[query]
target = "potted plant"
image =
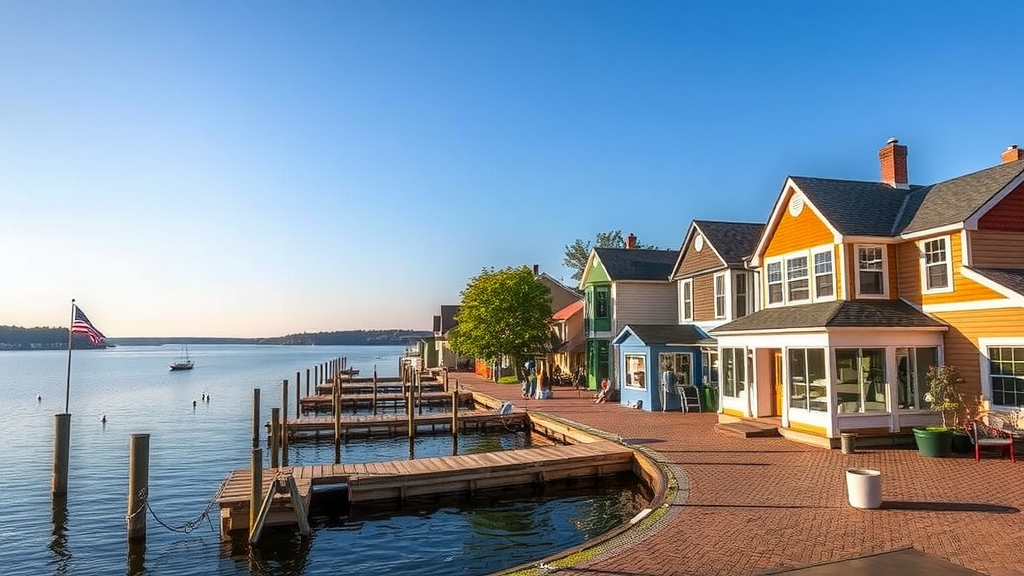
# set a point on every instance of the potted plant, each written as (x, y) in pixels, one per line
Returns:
(944, 397)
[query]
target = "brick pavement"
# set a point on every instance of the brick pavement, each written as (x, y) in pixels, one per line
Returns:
(761, 505)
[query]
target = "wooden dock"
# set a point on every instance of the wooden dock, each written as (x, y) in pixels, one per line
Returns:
(401, 479)
(324, 402)
(393, 425)
(384, 386)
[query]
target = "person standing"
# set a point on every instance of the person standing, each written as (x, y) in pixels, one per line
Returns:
(542, 380)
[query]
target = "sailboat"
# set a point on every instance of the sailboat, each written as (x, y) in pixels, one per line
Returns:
(183, 363)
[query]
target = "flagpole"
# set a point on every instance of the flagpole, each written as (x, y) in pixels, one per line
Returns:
(67, 388)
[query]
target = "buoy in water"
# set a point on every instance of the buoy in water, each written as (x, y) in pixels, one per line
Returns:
(103, 419)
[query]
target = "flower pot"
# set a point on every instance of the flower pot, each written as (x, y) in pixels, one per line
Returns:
(864, 488)
(962, 443)
(934, 442)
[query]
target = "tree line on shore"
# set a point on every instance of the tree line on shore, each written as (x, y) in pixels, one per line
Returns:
(47, 338)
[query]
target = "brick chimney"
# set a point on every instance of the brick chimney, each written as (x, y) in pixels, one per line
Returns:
(893, 158)
(1012, 153)
(536, 269)
(631, 241)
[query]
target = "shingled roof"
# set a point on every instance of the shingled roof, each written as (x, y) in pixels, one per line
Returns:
(857, 208)
(684, 334)
(1010, 278)
(734, 241)
(838, 314)
(637, 263)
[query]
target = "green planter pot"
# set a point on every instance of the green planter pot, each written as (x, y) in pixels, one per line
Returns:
(934, 442)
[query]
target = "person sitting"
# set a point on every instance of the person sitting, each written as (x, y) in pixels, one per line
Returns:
(605, 388)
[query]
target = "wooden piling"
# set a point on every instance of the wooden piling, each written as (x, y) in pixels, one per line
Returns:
(455, 423)
(316, 374)
(419, 393)
(255, 484)
(255, 417)
(138, 485)
(298, 393)
(61, 454)
(284, 422)
(275, 436)
(337, 422)
(307, 381)
(373, 402)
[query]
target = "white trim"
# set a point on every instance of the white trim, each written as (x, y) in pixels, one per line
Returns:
(683, 284)
(974, 305)
(734, 294)
(687, 240)
(768, 284)
(814, 277)
(923, 265)
(827, 330)
(842, 272)
(777, 211)
(933, 231)
(983, 359)
(991, 284)
(885, 272)
(972, 222)
(965, 248)
(725, 295)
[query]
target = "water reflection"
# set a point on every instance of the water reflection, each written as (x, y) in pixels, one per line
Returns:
(58, 544)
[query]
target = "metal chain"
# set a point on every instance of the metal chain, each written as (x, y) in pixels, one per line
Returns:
(185, 528)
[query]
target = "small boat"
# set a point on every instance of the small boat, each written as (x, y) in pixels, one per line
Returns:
(183, 363)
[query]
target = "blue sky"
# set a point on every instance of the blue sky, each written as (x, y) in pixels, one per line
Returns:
(262, 168)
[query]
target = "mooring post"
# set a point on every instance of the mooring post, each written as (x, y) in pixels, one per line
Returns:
(138, 485)
(444, 373)
(255, 417)
(284, 422)
(61, 454)
(316, 374)
(255, 485)
(373, 400)
(307, 382)
(337, 423)
(455, 423)
(419, 393)
(275, 436)
(298, 396)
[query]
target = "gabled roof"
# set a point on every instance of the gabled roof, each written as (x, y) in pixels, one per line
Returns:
(448, 321)
(838, 314)
(1010, 278)
(569, 311)
(733, 241)
(683, 334)
(956, 200)
(637, 263)
(853, 207)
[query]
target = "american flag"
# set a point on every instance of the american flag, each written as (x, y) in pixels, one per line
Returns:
(81, 325)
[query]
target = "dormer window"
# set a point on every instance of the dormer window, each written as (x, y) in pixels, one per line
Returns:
(871, 271)
(824, 280)
(796, 279)
(775, 282)
(937, 265)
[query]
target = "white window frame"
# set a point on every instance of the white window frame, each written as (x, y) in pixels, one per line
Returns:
(815, 275)
(986, 373)
(686, 299)
(806, 277)
(723, 296)
(924, 266)
(768, 284)
(737, 294)
(885, 270)
(629, 378)
(782, 262)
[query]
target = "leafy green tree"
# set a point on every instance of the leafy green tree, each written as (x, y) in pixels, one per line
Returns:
(576, 254)
(503, 313)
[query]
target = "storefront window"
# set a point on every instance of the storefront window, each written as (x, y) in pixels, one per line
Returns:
(735, 364)
(709, 368)
(807, 381)
(636, 371)
(861, 380)
(675, 370)
(911, 367)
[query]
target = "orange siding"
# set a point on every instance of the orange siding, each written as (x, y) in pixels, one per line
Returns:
(704, 298)
(996, 249)
(890, 256)
(964, 290)
(837, 258)
(908, 264)
(694, 261)
(798, 233)
(1006, 215)
(965, 328)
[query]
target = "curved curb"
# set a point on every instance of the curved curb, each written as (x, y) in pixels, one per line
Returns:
(664, 506)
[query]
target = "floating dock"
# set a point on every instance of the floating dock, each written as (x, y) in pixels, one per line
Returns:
(397, 480)
(324, 402)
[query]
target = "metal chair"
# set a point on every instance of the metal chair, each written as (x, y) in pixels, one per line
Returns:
(985, 436)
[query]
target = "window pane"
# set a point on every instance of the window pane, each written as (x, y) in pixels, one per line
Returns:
(871, 283)
(798, 290)
(847, 381)
(816, 392)
(873, 379)
(796, 268)
(798, 379)
(775, 272)
(774, 293)
(937, 277)
(636, 371)
(823, 286)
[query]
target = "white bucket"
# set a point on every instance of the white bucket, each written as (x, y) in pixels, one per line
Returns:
(864, 487)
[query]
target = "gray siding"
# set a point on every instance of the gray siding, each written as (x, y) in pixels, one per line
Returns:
(645, 303)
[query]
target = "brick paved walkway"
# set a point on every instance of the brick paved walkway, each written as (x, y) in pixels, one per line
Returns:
(766, 504)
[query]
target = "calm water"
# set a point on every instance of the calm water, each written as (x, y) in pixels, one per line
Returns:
(193, 449)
